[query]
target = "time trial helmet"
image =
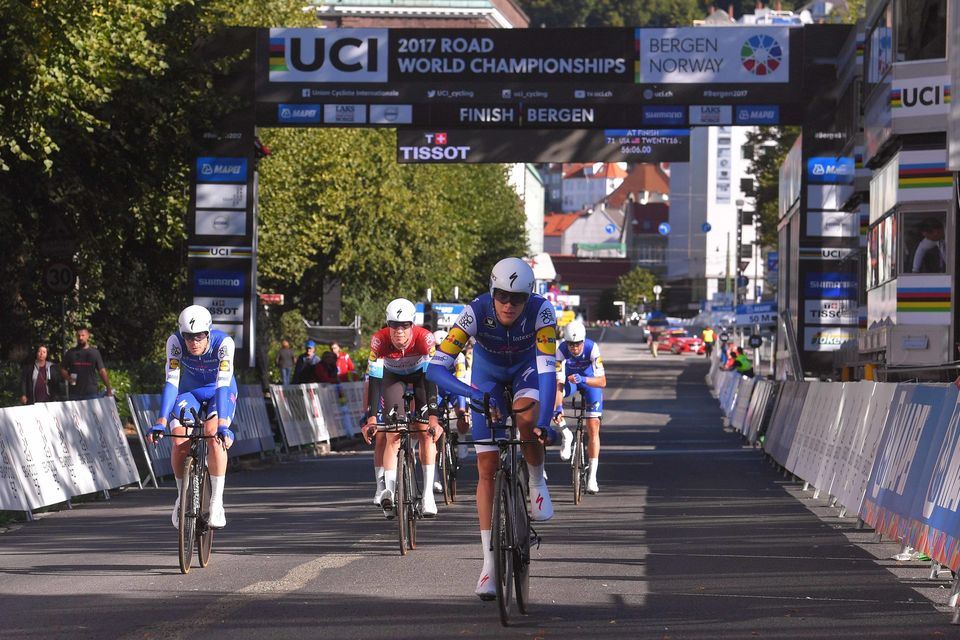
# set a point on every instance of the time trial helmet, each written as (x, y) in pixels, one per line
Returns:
(512, 275)
(574, 331)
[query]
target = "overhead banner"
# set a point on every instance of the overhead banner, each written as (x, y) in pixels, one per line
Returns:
(529, 78)
(543, 145)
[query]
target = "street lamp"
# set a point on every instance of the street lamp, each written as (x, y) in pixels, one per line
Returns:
(737, 296)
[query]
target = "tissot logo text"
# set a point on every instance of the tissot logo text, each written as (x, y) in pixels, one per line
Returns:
(328, 55)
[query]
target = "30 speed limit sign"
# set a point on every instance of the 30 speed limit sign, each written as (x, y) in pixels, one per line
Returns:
(58, 277)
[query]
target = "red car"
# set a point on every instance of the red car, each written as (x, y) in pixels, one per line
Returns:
(679, 341)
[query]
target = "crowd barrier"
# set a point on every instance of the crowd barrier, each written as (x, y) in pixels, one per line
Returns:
(311, 413)
(889, 453)
(54, 451)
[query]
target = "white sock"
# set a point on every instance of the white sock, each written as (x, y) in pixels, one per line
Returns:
(216, 488)
(429, 471)
(593, 467)
(487, 549)
(537, 478)
(390, 479)
(378, 472)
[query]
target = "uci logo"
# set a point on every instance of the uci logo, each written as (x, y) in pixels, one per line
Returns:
(328, 55)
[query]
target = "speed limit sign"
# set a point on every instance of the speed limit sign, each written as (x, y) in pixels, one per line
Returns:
(58, 277)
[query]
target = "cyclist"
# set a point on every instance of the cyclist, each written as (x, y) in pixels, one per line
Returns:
(516, 340)
(199, 367)
(459, 403)
(580, 368)
(399, 354)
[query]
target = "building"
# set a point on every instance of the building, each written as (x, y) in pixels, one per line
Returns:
(526, 181)
(585, 185)
(450, 14)
(709, 211)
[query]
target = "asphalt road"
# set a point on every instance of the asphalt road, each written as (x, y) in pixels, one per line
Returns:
(692, 536)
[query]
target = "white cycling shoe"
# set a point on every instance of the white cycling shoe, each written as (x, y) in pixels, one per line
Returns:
(378, 494)
(486, 589)
(567, 440)
(428, 506)
(541, 507)
(592, 486)
(217, 518)
(176, 514)
(386, 503)
(437, 486)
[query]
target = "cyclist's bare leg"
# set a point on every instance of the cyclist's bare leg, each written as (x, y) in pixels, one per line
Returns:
(391, 444)
(526, 421)
(428, 450)
(179, 450)
(593, 438)
(487, 463)
(379, 446)
(216, 454)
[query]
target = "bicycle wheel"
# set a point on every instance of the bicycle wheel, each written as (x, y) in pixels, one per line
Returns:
(453, 465)
(578, 467)
(400, 501)
(502, 539)
(521, 551)
(205, 533)
(412, 504)
(443, 467)
(187, 517)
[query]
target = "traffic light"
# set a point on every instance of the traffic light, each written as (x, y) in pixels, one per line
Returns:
(429, 317)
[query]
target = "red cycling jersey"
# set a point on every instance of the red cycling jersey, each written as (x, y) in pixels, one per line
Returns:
(385, 356)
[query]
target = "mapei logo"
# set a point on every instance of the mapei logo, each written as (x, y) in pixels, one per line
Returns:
(761, 54)
(328, 55)
(221, 169)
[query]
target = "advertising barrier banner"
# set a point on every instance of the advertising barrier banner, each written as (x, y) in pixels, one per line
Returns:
(55, 451)
(913, 435)
(865, 411)
(783, 424)
(764, 395)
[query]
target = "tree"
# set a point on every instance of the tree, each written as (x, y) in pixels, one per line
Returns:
(635, 286)
(601, 13)
(770, 147)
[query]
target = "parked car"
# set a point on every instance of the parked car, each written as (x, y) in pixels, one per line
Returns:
(678, 341)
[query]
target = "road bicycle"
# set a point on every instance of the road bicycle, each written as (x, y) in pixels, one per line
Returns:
(512, 535)
(194, 500)
(578, 459)
(406, 507)
(448, 461)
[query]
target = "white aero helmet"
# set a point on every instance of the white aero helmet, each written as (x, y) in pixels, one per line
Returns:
(574, 331)
(400, 310)
(439, 335)
(512, 274)
(194, 319)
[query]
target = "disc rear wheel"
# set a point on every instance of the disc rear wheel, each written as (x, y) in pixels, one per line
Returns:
(578, 467)
(412, 505)
(521, 553)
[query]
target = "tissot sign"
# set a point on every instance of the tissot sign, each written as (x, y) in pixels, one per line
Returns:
(529, 78)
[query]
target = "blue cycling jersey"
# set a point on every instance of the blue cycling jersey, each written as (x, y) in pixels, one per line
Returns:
(502, 354)
(587, 364)
(210, 374)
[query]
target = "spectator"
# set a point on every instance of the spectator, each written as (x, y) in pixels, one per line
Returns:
(308, 360)
(40, 379)
(345, 367)
(325, 371)
(709, 337)
(731, 361)
(285, 361)
(930, 255)
(80, 368)
(743, 365)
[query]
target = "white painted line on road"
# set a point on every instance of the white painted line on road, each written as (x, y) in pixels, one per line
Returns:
(221, 609)
(743, 596)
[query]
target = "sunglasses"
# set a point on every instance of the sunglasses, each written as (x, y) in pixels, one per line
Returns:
(510, 297)
(399, 325)
(574, 344)
(195, 337)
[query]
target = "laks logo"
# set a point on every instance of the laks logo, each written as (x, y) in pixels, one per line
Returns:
(328, 55)
(761, 55)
